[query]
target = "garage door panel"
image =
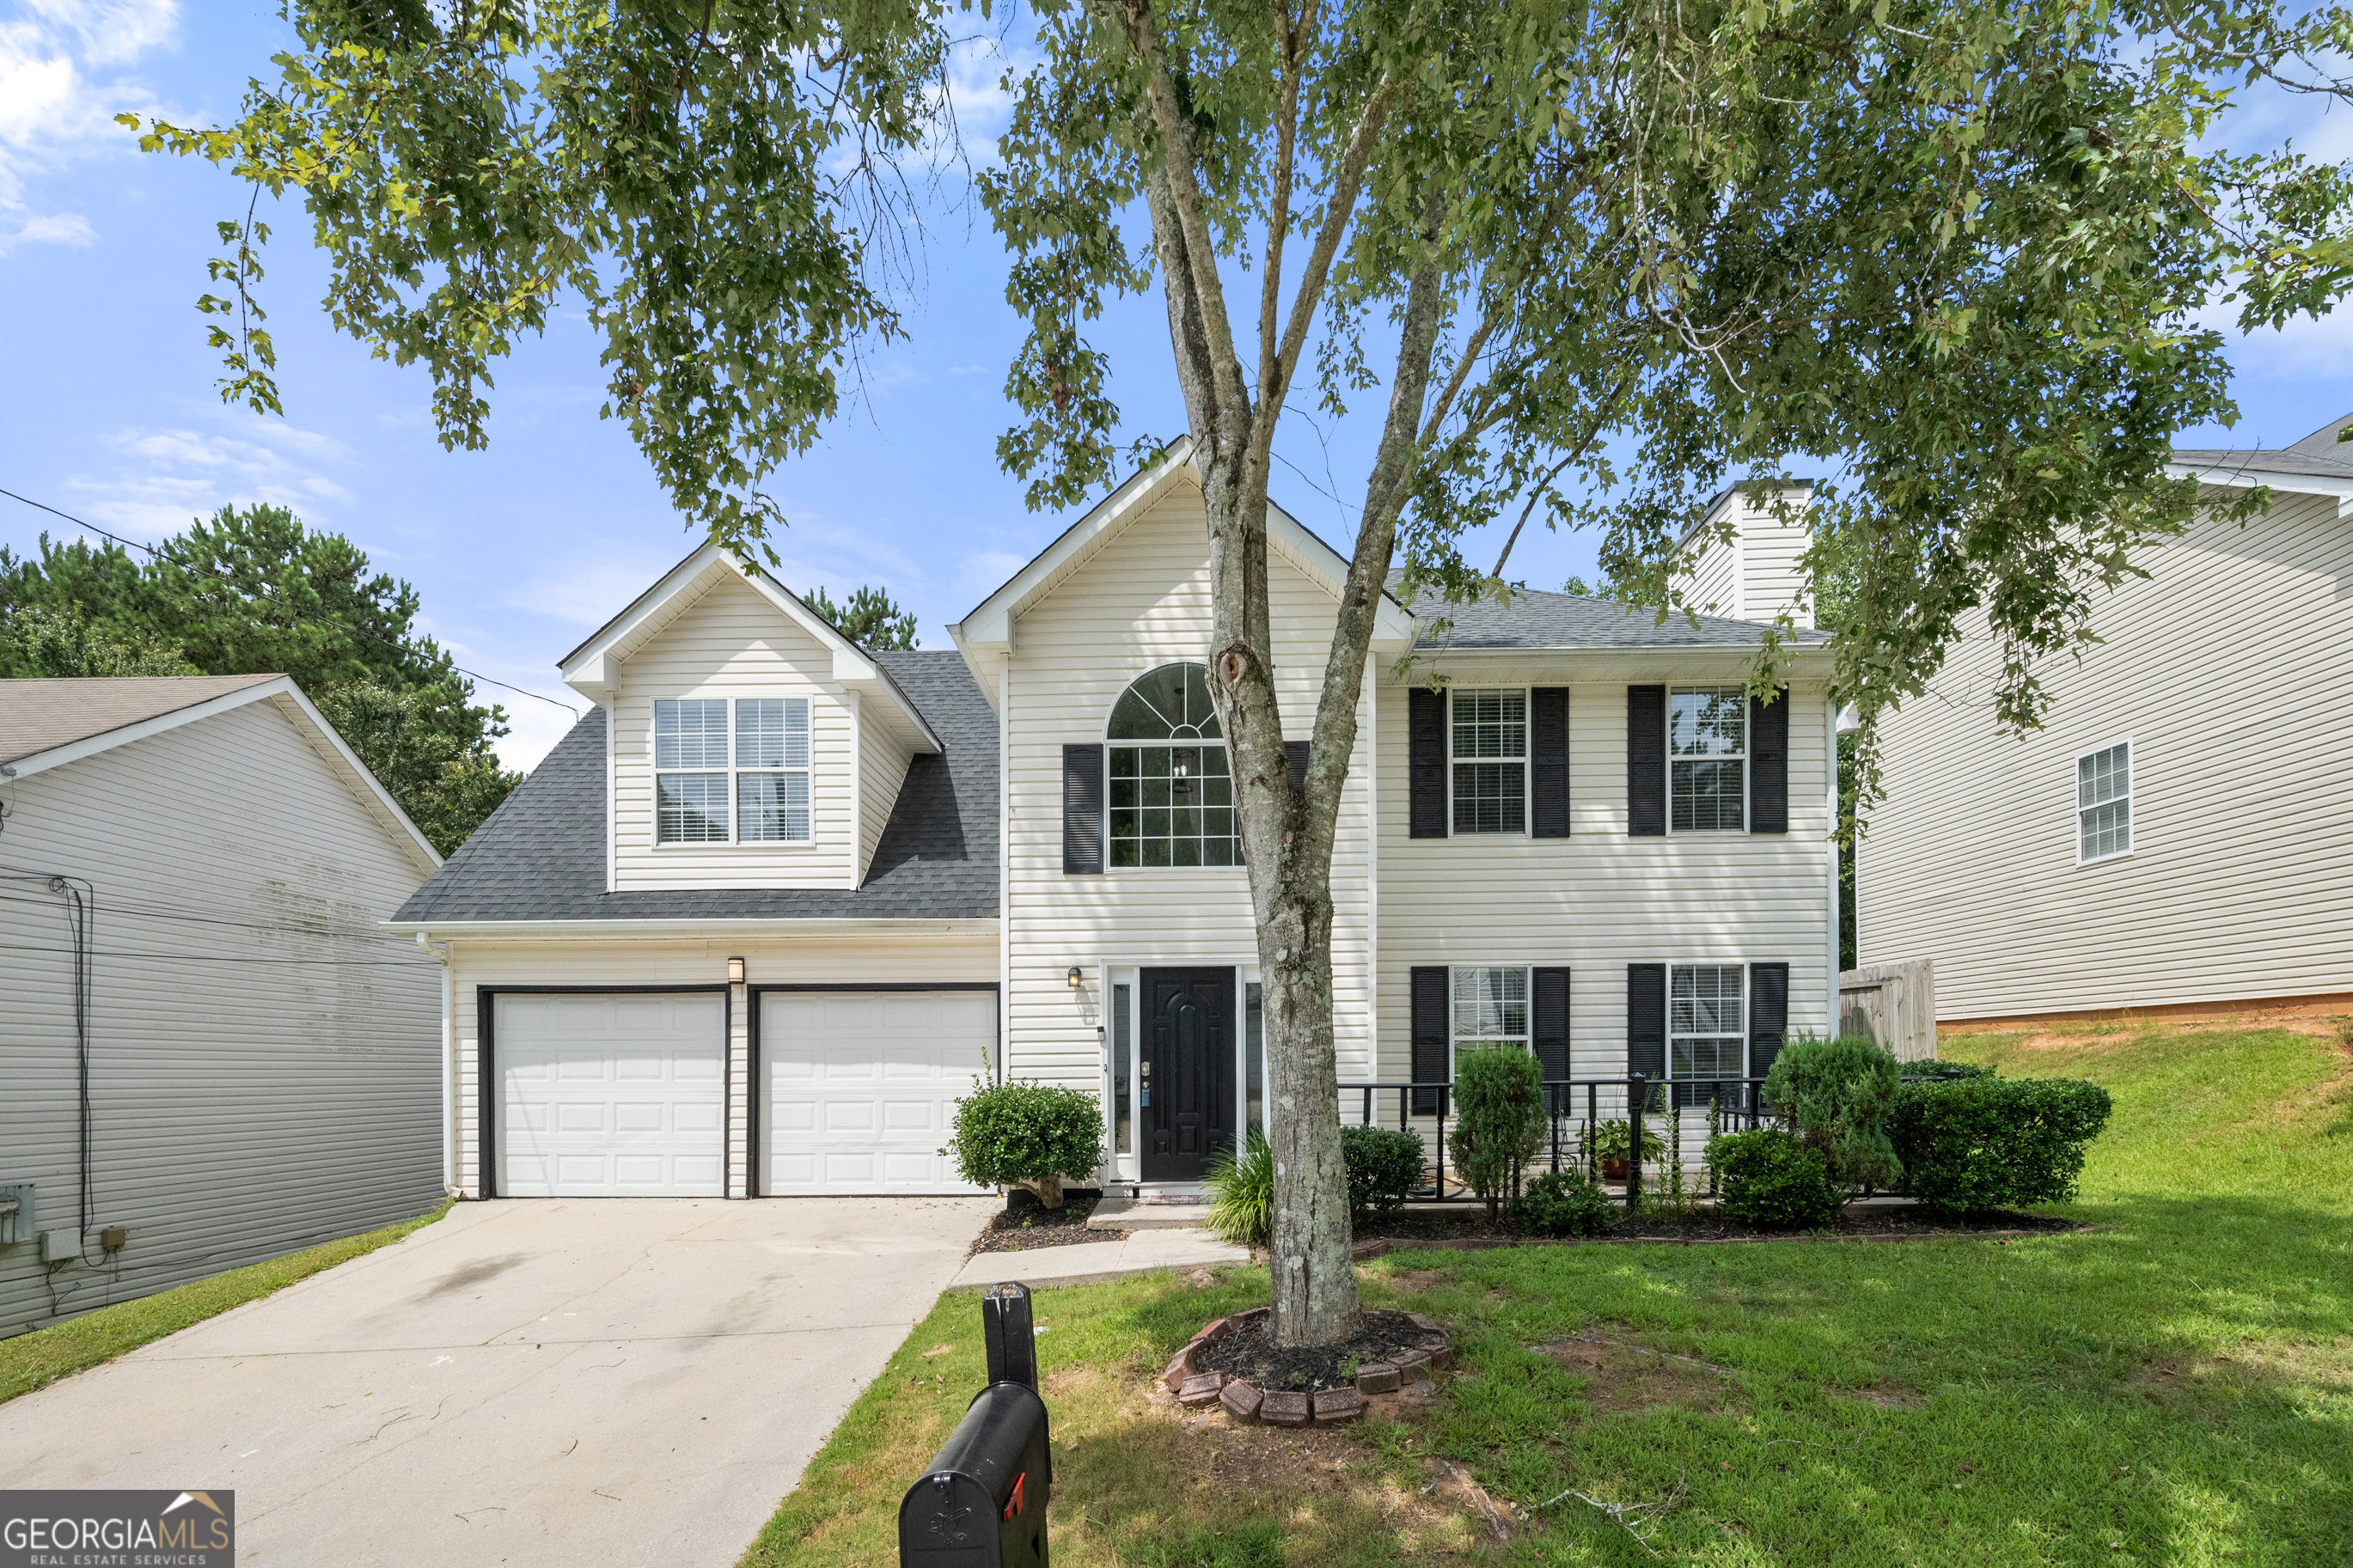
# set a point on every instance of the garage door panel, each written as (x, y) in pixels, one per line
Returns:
(859, 1090)
(612, 1096)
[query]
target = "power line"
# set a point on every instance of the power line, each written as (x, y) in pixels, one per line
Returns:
(354, 631)
(136, 911)
(213, 958)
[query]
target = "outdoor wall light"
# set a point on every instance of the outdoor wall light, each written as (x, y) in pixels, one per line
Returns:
(734, 972)
(1073, 977)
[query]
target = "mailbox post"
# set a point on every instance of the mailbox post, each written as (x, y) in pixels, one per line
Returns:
(981, 1502)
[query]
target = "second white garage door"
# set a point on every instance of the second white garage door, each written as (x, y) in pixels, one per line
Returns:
(612, 1096)
(862, 1086)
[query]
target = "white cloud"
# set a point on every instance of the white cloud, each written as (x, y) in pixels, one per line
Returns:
(162, 477)
(59, 91)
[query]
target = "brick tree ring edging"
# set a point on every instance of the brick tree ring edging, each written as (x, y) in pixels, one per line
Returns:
(1242, 1402)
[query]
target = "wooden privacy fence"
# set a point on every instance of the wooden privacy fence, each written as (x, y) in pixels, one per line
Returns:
(1892, 1005)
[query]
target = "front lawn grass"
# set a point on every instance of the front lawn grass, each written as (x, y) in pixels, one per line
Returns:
(35, 1360)
(2172, 1386)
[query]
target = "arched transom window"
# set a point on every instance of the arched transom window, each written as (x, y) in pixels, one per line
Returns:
(1171, 798)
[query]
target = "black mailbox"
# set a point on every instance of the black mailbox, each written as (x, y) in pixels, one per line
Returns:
(981, 1502)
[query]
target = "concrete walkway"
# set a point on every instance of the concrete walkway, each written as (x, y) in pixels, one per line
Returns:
(1087, 1262)
(623, 1383)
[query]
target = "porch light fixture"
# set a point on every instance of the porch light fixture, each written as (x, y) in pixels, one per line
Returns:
(1073, 977)
(734, 972)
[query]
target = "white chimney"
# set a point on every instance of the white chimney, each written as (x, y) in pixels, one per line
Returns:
(1754, 576)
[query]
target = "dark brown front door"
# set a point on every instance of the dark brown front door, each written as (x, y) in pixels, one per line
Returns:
(1188, 1070)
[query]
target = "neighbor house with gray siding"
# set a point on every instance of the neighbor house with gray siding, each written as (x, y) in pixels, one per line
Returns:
(214, 1051)
(762, 918)
(2172, 839)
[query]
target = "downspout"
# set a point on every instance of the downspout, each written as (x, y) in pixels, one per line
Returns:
(440, 951)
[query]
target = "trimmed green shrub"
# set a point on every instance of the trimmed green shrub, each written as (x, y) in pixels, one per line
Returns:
(1837, 1095)
(1613, 1137)
(1976, 1143)
(1384, 1164)
(1500, 1120)
(1030, 1135)
(1565, 1202)
(1241, 1192)
(1771, 1178)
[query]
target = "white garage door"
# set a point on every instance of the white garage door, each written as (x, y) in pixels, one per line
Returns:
(862, 1087)
(610, 1096)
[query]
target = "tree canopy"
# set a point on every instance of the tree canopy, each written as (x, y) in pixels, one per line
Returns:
(870, 619)
(252, 591)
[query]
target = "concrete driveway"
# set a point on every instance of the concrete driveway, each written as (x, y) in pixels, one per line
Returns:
(624, 1382)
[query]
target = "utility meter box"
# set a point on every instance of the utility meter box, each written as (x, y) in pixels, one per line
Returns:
(15, 1212)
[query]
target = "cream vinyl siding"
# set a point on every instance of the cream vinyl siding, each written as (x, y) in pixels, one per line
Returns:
(265, 1073)
(1141, 601)
(882, 764)
(731, 642)
(1757, 575)
(1599, 900)
(927, 951)
(2224, 668)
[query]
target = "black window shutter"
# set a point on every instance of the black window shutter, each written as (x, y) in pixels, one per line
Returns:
(1548, 761)
(1768, 765)
(1646, 761)
(1551, 1022)
(1297, 751)
(1083, 815)
(1768, 1015)
(1425, 749)
(1429, 1008)
(1646, 1019)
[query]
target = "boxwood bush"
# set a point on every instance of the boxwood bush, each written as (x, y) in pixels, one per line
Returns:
(1500, 1120)
(1983, 1142)
(1565, 1202)
(1384, 1164)
(1771, 1178)
(1839, 1095)
(1029, 1135)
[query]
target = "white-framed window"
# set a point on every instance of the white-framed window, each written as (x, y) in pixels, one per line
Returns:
(1707, 759)
(1707, 1020)
(1490, 1009)
(732, 769)
(1172, 795)
(1487, 750)
(2103, 804)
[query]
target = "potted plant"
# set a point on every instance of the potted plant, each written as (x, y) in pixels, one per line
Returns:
(1613, 1143)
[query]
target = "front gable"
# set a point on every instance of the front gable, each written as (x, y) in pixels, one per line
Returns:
(750, 745)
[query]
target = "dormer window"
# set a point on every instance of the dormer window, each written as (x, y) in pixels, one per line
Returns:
(758, 765)
(1171, 798)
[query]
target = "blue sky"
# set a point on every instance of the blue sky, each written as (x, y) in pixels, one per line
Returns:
(521, 551)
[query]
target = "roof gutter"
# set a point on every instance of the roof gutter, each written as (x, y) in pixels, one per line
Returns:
(692, 930)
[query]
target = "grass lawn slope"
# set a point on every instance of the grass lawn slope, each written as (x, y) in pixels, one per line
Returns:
(2174, 1385)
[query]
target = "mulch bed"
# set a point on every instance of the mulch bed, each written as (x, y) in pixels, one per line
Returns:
(1030, 1225)
(1243, 1351)
(1472, 1228)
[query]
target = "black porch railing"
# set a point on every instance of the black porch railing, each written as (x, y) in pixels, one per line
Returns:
(1575, 1109)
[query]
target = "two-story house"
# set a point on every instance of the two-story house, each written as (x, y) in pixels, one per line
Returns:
(2170, 841)
(759, 921)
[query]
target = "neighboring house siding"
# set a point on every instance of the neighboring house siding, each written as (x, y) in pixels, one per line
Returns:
(1143, 602)
(2219, 669)
(265, 1066)
(882, 768)
(731, 642)
(921, 954)
(1599, 898)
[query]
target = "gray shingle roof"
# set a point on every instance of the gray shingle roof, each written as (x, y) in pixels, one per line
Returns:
(2319, 454)
(1534, 620)
(541, 856)
(40, 714)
